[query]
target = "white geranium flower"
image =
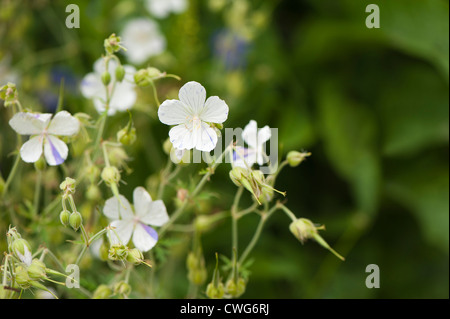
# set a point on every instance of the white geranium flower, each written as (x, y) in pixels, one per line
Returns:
(255, 139)
(162, 8)
(124, 95)
(44, 131)
(134, 224)
(143, 40)
(191, 115)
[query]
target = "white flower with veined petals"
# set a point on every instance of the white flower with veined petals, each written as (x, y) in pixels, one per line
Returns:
(162, 8)
(124, 95)
(191, 115)
(255, 139)
(134, 224)
(143, 40)
(44, 131)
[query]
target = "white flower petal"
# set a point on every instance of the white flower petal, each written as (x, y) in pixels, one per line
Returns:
(26, 258)
(123, 229)
(144, 237)
(115, 209)
(244, 157)
(162, 8)
(207, 139)
(31, 150)
(250, 134)
(193, 94)
(215, 110)
(92, 86)
(141, 201)
(55, 150)
(264, 135)
(156, 214)
(124, 96)
(64, 124)
(181, 137)
(26, 123)
(173, 112)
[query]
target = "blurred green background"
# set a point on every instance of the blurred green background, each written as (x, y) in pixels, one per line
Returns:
(370, 104)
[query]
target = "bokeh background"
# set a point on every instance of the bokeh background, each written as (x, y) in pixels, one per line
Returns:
(371, 105)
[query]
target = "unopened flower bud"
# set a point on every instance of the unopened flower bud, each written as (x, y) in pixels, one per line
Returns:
(237, 174)
(40, 164)
(110, 175)
(144, 77)
(64, 217)
(22, 278)
(117, 252)
(75, 220)
(127, 136)
(36, 270)
(122, 288)
(120, 73)
(21, 248)
(93, 192)
(106, 78)
(198, 276)
(215, 292)
(8, 93)
(235, 289)
(294, 158)
(102, 292)
(135, 256)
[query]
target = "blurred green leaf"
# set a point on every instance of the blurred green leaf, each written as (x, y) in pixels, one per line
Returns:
(349, 134)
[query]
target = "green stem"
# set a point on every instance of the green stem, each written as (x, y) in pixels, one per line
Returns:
(164, 178)
(11, 174)
(234, 219)
(288, 212)
(37, 193)
(155, 93)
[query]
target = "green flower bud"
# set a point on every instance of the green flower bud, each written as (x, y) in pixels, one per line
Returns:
(135, 256)
(235, 289)
(198, 276)
(214, 292)
(167, 146)
(40, 164)
(304, 229)
(75, 220)
(64, 217)
(122, 288)
(141, 78)
(110, 175)
(92, 172)
(120, 73)
(106, 78)
(93, 192)
(102, 292)
(237, 174)
(37, 270)
(22, 278)
(294, 158)
(21, 248)
(127, 136)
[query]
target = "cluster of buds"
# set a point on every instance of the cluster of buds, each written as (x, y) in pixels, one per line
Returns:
(9, 94)
(120, 252)
(74, 218)
(255, 182)
(235, 286)
(145, 77)
(121, 289)
(112, 44)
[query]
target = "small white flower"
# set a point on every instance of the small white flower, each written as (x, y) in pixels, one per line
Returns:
(143, 40)
(124, 95)
(162, 8)
(134, 224)
(44, 131)
(255, 139)
(191, 115)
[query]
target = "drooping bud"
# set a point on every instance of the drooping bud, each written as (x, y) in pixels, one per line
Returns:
(120, 73)
(64, 217)
(110, 175)
(93, 192)
(144, 77)
(106, 78)
(37, 270)
(195, 263)
(304, 229)
(75, 220)
(294, 158)
(127, 136)
(135, 256)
